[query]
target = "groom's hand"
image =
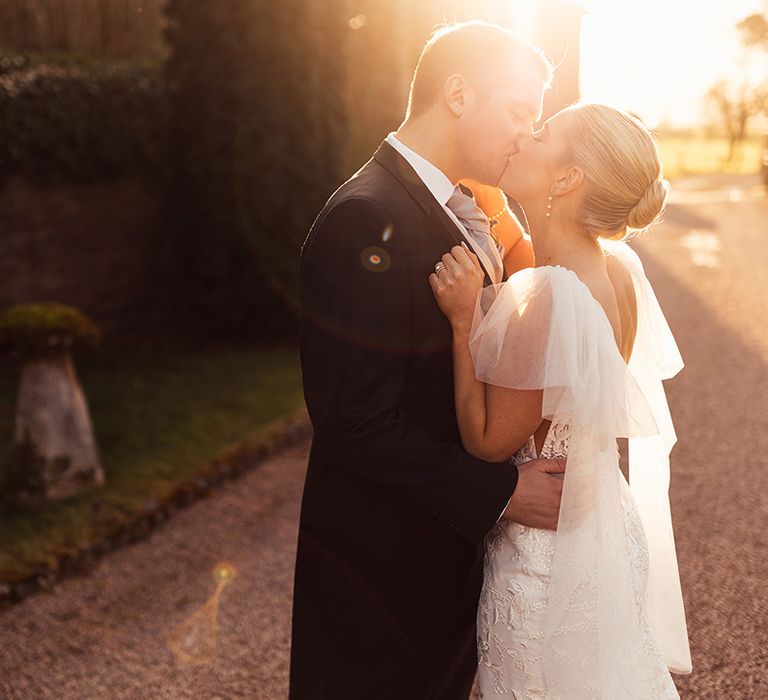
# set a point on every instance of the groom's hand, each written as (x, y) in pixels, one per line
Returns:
(536, 500)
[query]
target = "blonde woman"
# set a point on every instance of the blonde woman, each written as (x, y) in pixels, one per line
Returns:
(559, 361)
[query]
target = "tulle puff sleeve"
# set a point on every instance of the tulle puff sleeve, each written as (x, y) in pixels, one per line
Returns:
(543, 329)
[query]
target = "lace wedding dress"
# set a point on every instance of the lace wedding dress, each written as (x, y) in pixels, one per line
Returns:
(594, 610)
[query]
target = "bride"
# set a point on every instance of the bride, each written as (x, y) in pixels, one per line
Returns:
(562, 359)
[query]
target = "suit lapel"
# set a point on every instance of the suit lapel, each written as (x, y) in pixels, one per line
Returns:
(389, 158)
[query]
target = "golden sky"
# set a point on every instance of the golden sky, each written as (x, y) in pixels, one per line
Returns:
(658, 57)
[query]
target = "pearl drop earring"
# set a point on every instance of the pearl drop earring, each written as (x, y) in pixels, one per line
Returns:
(549, 206)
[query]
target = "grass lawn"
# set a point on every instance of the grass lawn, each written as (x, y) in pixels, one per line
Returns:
(158, 418)
(692, 155)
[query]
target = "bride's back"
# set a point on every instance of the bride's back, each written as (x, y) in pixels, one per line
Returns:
(617, 297)
(626, 301)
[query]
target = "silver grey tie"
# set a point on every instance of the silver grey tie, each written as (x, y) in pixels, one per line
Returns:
(478, 227)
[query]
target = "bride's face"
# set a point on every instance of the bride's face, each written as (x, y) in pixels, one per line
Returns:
(535, 167)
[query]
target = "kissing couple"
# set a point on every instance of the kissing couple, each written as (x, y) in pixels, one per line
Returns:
(464, 513)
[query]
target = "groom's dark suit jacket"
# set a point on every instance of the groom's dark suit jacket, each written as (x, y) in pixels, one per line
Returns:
(394, 513)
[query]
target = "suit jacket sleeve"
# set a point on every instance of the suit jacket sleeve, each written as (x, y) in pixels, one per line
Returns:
(356, 336)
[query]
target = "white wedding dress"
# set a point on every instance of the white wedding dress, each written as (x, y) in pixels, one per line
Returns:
(594, 610)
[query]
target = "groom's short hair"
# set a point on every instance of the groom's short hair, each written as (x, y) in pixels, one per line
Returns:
(472, 49)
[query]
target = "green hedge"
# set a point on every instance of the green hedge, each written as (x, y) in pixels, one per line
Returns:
(64, 119)
(245, 124)
(258, 135)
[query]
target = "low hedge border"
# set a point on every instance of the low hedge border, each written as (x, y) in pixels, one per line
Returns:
(64, 120)
(234, 461)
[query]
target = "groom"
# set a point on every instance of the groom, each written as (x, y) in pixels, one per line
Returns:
(394, 513)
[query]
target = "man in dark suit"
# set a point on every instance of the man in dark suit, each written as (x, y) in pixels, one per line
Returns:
(394, 513)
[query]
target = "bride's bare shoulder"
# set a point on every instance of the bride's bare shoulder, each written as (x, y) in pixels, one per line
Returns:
(624, 289)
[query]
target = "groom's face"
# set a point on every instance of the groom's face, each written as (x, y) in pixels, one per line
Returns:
(502, 111)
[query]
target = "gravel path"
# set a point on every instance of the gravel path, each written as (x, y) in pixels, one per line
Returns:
(708, 263)
(106, 635)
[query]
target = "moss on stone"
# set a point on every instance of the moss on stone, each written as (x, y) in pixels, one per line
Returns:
(34, 329)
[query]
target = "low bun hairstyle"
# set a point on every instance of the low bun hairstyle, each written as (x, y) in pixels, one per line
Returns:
(647, 210)
(622, 167)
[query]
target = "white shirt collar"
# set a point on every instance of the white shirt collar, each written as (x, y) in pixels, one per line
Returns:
(436, 180)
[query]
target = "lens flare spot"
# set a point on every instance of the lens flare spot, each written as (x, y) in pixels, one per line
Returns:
(704, 247)
(193, 642)
(375, 259)
(386, 234)
(223, 571)
(357, 22)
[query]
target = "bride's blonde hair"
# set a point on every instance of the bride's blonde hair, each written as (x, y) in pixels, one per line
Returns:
(626, 189)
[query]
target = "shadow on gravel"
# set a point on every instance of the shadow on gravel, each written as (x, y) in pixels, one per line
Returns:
(719, 491)
(680, 215)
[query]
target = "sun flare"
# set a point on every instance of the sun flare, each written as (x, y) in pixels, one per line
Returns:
(656, 58)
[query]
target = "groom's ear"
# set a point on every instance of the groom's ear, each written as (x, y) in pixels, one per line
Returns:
(456, 93)
(568, 180)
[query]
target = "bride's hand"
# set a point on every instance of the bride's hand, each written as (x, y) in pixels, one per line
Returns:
(455, 285)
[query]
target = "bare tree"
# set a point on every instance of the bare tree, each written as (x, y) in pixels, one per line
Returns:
(736, 105)
(737, 101)
(754, 30)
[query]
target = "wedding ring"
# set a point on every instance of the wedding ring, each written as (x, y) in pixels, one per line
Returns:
(439, 266)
